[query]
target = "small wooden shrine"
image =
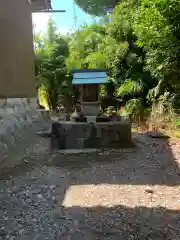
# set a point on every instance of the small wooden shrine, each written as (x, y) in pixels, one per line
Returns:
(88, 82)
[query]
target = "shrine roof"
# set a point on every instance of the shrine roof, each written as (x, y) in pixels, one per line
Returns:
(89, 76)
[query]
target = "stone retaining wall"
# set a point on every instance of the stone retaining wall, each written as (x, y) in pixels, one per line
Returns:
(19, 121)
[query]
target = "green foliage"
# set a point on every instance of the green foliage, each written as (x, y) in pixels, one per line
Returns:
(156, 37)
(83, 47)
(43, 97)
(134, 107)
(157, 29)
(139, 43)
(51, 53)
(103, 91)
(162, 114)
(130, 88)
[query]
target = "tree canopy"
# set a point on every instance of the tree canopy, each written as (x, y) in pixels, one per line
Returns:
(97, 7)
(51, 53)
(139, 43)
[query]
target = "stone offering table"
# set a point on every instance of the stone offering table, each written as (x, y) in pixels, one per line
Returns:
(79, 135)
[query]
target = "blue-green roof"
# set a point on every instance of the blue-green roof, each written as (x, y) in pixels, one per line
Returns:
(89, 76)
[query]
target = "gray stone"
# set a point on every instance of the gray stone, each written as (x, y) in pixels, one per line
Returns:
(39, 196)
(78, 151)
(80, 235)
(19, 122)
(52, 187)
(46, 134)
(73, 135)
(2, 233)
(35, 191)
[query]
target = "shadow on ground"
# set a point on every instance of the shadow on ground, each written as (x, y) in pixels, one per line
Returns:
(122, 223)
(150, 161)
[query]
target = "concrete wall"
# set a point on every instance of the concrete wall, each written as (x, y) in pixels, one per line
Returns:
(17, 77)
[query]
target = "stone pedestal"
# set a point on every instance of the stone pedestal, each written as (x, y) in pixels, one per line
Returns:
(91, 108)
(73, 135)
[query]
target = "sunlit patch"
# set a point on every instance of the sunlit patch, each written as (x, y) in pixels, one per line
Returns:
(40, 22)
(109, 195)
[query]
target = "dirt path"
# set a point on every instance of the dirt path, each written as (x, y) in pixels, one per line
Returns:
(119, 194)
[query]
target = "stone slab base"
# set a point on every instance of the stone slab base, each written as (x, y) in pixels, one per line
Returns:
(74, 135)
(91, 108)
(78, 151)
(19, 121)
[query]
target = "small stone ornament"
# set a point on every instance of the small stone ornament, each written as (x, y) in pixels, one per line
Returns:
(78, 115)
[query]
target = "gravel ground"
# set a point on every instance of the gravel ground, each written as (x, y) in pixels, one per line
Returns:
(114, 194)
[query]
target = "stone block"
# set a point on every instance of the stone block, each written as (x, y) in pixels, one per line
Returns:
(19, 121)
(114, 134)
(74, 135)
(91, 108)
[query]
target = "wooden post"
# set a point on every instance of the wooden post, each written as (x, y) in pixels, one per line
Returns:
(81, 93)
(98, 93)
